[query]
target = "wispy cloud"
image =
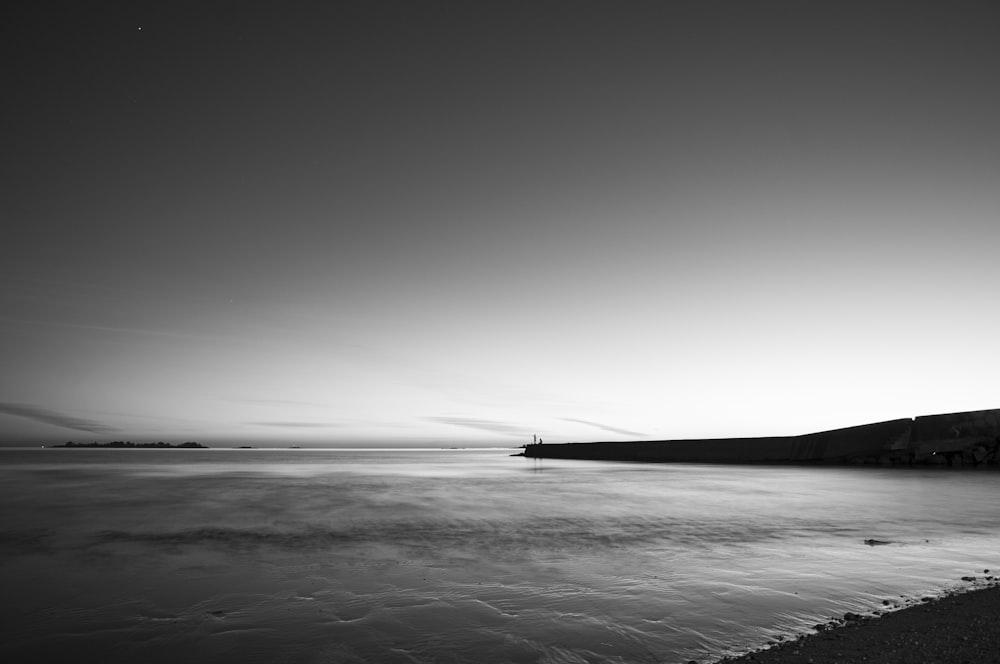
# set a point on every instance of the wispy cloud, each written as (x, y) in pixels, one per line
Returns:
(606, 427)
(298, 425)
(46, 416)
(280, 402)
(476, 423)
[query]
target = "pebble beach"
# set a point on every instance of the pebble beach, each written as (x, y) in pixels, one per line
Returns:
(958, 628)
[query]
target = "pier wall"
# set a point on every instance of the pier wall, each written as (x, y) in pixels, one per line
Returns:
(955, 431)
(704, 450)
(971, 437)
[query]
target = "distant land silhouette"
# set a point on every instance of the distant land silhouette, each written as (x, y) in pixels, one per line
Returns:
(130, 444)
(966, 439)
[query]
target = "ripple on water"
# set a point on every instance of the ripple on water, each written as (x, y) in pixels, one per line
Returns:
(585, 562)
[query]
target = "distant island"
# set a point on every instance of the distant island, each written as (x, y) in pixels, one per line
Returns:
(129, 445)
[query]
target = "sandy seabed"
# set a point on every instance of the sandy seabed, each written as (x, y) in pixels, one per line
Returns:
(961, 627)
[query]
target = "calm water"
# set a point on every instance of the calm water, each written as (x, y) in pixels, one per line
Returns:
(458, 555)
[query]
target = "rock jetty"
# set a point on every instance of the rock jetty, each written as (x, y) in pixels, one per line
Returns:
(967, 439)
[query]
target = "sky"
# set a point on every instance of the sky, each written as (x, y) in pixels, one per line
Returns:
(469, 223)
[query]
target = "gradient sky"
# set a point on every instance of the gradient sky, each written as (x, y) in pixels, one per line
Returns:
(462, 223)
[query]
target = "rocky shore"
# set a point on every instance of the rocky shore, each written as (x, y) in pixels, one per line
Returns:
(961, 627)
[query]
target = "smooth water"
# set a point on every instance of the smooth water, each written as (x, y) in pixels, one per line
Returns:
(459, 555)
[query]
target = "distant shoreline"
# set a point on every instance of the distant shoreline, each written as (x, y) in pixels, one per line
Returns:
(130, 445)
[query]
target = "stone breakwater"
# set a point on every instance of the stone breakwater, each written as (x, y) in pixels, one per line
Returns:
(967, 439)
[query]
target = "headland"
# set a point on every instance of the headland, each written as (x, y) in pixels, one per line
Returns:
(966, 439)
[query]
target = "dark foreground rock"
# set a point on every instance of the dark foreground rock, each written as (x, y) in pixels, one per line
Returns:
(957, 629)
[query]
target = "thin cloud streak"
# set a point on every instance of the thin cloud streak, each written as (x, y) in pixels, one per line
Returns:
(297, 425)
(476, 423)
(606, 427)
(281, 402)
(46, 416)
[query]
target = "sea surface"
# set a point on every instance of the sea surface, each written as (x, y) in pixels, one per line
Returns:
(299, 555)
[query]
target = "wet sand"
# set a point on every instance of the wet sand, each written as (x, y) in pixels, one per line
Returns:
(960, 627)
